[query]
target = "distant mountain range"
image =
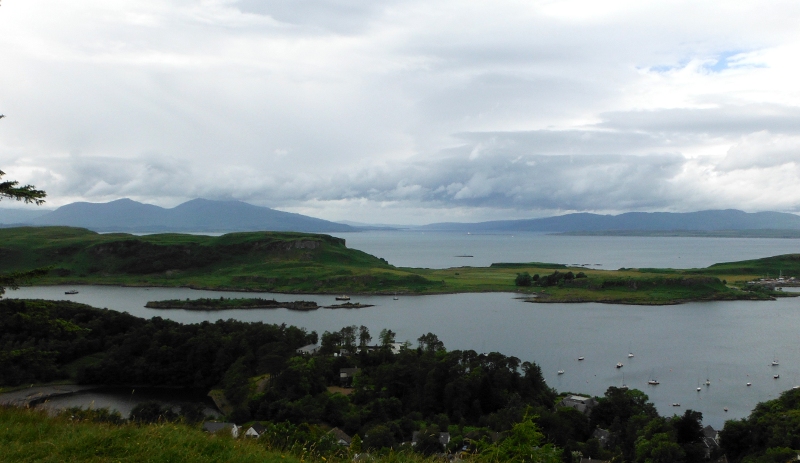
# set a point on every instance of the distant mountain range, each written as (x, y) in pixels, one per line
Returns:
(203, 215)
(197, 215)
(712, 220)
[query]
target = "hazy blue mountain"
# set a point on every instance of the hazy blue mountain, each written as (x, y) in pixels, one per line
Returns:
(10, 215)
(201, 215)
(729, 219)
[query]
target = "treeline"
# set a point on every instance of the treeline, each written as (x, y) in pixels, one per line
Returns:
(42, 341)
(396, 393)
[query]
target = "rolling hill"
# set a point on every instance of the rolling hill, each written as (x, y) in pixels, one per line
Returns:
(197, 215)
(711, 220)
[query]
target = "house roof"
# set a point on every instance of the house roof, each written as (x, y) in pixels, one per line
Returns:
(214, 426)
(258, 427)
(708, 431)
(579, 398)
(348, 371)
(309, 349)
(340, 435)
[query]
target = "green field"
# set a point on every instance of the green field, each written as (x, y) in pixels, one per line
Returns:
(310, 263)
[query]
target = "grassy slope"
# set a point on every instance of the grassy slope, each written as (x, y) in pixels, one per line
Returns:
(32, 436)
(304, 263)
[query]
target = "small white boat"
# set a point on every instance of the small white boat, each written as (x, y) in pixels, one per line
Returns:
(676, 404)
(580, 359)
(560, 372)
(726, 409)
(619, 365)
(343, 297)
(71, 291)
(749, 384)
(630, 354)
(395, 298)
(653, 382)
(775, 363)
(776, 376)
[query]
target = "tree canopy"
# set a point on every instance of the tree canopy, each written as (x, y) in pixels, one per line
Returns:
(27, 193)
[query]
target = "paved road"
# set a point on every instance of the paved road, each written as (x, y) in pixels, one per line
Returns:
(24, 397)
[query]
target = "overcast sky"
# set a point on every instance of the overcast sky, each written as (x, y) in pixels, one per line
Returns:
(406, 111)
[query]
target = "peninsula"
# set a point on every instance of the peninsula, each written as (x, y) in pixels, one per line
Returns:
(302, 263)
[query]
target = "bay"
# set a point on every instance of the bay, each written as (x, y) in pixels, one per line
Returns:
(731, 342)
(442, 249)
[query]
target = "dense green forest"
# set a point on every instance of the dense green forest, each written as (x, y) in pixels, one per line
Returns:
(481, 400)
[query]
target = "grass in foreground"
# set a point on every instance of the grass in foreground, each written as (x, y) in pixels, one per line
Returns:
(32, 436)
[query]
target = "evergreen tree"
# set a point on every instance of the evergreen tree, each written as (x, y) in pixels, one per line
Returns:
(27, 194)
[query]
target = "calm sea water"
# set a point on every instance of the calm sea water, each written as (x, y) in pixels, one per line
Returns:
(731, 343)
(440, 249)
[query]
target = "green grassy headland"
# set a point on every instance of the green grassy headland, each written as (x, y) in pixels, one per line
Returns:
(310, 263)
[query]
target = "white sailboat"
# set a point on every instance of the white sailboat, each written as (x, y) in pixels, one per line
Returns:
(653, 381)
(630, 351)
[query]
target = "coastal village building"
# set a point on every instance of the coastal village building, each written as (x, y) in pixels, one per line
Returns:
(346, 376)
(602, 436)
(580, 403)
(711, 441)
(255, 430)
(310, 349)
(341, 437)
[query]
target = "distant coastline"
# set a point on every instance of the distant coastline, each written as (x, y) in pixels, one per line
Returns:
(761, 233)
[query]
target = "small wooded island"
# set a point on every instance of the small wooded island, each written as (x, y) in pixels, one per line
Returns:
(303, 263)
(228, 303)
(231, 303)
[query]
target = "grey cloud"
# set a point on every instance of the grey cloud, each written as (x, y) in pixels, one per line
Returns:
(341, 16)
(571, 142)
(761, 150)
(723, 120)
